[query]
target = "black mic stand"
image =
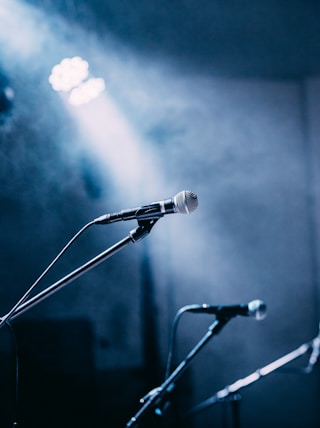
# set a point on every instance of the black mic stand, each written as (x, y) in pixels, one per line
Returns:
(144, 227)
(229, 393)
(154, 397)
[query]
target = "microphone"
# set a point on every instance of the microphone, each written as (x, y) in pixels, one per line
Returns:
(184, 202)
(314, 354)
(255, 308)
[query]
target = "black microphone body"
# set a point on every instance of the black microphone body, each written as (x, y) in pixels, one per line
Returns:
(255, 308)
(154, 210)
(314, 357)
(184, 202)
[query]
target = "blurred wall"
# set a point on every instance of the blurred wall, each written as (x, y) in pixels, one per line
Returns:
(249, 149)
(255, 238)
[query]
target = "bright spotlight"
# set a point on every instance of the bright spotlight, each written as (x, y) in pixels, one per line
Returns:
(68, 74)
(71, 75)
(86, 91)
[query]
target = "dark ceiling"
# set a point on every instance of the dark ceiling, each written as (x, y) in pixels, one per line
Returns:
(264, 39)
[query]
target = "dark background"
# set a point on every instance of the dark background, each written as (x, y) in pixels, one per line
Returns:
(218, 97)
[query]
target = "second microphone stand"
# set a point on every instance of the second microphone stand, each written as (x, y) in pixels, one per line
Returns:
(154, 398)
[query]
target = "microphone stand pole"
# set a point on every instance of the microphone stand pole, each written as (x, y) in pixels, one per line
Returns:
(153, 398)
(229, 392)
(144, 227)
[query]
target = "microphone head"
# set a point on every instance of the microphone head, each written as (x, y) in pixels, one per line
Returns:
(257, 309)
(185, 202)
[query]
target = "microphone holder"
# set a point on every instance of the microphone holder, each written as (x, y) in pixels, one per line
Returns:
(135, 235)
(154, 397)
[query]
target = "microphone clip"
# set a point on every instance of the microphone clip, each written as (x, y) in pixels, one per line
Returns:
(143, 229)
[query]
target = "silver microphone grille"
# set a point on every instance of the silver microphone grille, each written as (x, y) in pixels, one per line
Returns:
(186, 202)
(257, 309)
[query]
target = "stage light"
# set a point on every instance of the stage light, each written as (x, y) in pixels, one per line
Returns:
(86, 91)
(71, 75)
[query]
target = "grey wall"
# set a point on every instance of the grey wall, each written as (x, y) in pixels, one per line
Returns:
(253, 237)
